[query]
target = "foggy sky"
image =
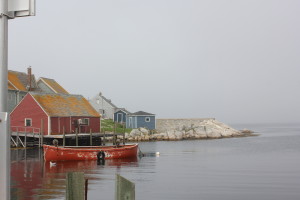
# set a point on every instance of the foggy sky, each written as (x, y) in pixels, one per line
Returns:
(236, 60)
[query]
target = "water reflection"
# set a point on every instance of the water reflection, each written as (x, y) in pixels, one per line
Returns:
(33, 178)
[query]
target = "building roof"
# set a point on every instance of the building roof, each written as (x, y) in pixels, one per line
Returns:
(19, 81)
(54, 86)
(97, 98)
(141, 113)
(11, 87)
(124, 110)
(61, 105)
(108, 101)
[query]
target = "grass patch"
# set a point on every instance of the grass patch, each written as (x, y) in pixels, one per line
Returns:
(108, 125)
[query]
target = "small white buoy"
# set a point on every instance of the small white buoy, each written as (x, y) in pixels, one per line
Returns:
(52, 164)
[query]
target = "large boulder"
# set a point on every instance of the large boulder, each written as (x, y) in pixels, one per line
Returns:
(135, 132)
(144, 131)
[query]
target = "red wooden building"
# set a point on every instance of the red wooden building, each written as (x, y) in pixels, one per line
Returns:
(54, 113)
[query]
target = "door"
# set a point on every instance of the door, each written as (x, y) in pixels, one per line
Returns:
(120, 117)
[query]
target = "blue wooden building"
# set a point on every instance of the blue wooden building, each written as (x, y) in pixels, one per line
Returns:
(120, 115)
(141, 119)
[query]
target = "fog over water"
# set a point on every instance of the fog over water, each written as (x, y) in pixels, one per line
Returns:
(237, 61)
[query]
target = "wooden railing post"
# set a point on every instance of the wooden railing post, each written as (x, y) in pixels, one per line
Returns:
(76, 130)
(41, 131)
(64, 137)
(25, 140)
(91, 138)
(124, 129)
(114, 135)
(17, 139)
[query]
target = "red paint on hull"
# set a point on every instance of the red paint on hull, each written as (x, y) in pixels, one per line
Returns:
(52, 153)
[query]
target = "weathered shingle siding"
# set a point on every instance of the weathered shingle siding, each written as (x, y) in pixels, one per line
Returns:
(100, 104)
(44, 87)
(17, 87)
(14, 97)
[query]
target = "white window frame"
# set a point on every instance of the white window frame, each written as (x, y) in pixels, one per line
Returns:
(147, 119)
(25, 122)
(130, 122)
(86, 120)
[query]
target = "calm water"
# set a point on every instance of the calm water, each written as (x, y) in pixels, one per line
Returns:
(262, 167)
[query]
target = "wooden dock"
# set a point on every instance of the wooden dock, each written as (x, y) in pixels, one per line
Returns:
(23, 139)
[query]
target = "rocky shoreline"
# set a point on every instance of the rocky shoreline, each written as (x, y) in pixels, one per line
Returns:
(203, 129)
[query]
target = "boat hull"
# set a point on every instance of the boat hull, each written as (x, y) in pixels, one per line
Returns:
(52, 153)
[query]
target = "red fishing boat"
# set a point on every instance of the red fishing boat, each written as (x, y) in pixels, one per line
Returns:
(58, 153)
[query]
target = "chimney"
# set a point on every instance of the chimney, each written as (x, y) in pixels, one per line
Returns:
(29, 75)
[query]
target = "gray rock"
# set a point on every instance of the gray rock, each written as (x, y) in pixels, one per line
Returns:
(135, 132)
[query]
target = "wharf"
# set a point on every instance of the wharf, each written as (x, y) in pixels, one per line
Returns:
(21, 139)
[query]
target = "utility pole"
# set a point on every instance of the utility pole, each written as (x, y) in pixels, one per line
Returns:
(8, 9)
(4, 119)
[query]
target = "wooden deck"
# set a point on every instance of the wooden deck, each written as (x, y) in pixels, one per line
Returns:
(21, 139)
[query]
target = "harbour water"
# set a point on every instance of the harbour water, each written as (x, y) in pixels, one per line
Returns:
(264, 167)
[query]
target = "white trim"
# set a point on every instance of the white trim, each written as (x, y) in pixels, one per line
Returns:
(13, 85)
(88, 120)
(147, 119)
(136, 122)
(25, 122)
(130, 125)
(48, 85)
(49, 125)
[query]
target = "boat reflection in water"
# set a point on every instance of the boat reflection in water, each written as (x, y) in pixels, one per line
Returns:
(62, 167)
(33, 178)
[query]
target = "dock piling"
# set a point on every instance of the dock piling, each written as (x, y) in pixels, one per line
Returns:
(75, 186)
(125, 189)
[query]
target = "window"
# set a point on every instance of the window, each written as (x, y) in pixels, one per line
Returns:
(86, 121)
(147, 119)
(28, 122)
